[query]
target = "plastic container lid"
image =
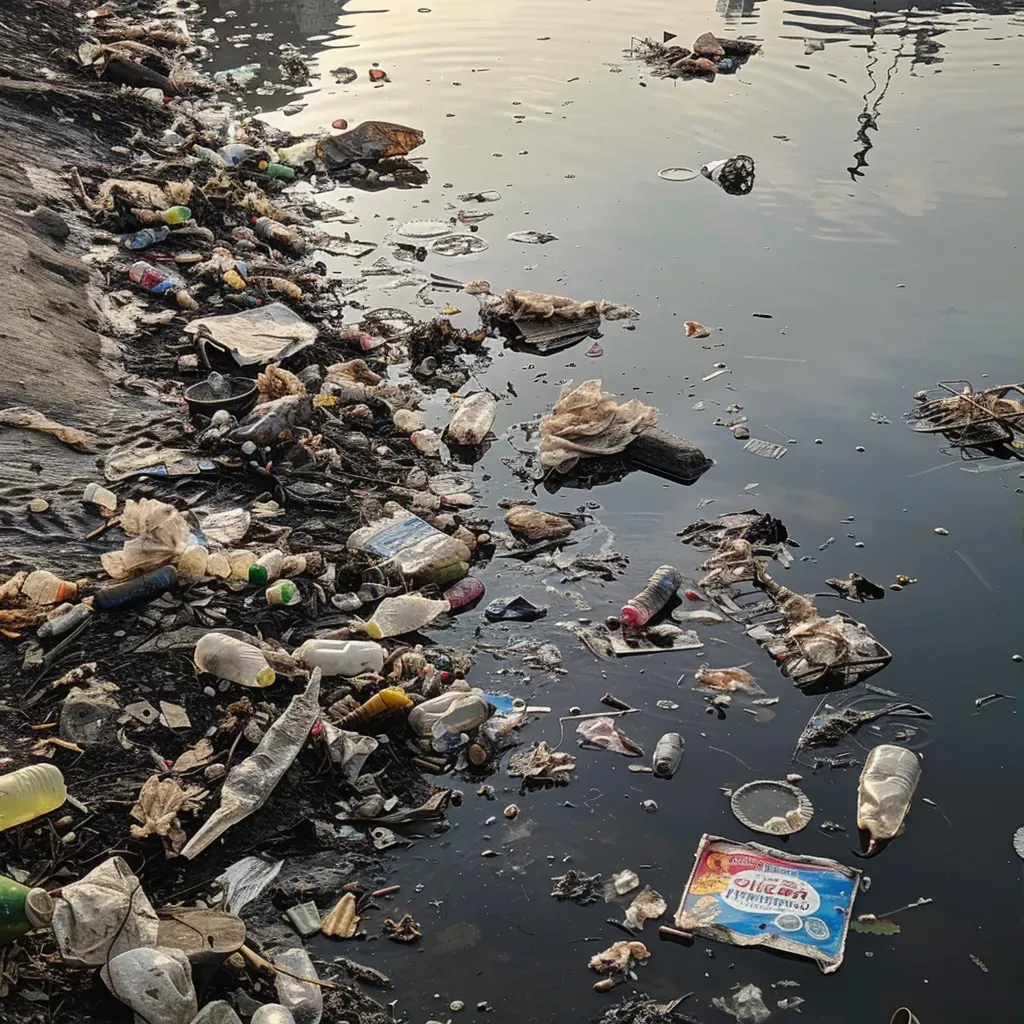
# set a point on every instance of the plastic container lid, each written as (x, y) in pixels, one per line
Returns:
(773, 807)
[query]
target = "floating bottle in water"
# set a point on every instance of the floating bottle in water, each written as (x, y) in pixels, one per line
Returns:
(639, 610)
(886, 789)
(667, 755)
(465, 592)
(30, 793)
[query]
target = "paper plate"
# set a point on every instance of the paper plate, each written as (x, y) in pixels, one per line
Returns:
(424, 228)
(458, 245)
(773, 807)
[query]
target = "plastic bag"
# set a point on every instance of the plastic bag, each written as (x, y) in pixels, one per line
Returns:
(103, 914)
(159, 534)
(588, 422)
(369, 141)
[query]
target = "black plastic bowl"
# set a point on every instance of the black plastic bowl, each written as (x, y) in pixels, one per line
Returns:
(240, 398)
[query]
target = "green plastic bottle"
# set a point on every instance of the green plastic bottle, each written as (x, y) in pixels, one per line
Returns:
(22, 909)
(176, 215)
(282, 171)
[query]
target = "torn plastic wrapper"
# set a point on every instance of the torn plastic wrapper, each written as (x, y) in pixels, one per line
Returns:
(245, 881)
(267, 334)
(158, 535)
(368, 142)
(618, 645)
(747, 894)
(603, 734)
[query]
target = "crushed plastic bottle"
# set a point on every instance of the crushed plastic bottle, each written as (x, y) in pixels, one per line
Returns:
(249, 784)
(43, 587)
(278, 234)
(29, 793)
(887, 786)
(227, 658)
(70, 617)
(193, 562)
(146, 237)
(155, 983)
(161, 281)
(639, 610)
(341, 657)
(464, 593)
(397, 615)
(406, 543)
(456, 711)
(426, 441)
(304, 1000)
(283, 592)
(472, 420)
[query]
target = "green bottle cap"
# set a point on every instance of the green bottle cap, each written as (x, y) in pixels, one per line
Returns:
(257, 573)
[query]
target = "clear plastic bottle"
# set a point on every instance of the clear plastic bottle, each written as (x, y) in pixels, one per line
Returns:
(472, 420)
(146, 237)
(667, 755)
(211, 156)
(227, 658)
(397, 615)
(193, 562)
(30, 793)
(455, 712)
(887, 786)
(278, 234)
(97, 494)
(43, 587)
(234, 152)
(273, 1013)
(304, 1000)
(342, 657)
(155, 280)
(639, 610)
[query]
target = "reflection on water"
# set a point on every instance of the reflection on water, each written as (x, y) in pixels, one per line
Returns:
(895, 129)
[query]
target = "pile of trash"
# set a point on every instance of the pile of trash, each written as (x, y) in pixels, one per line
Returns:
(710, 55)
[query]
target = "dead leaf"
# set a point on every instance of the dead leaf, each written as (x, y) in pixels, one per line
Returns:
(157, 809)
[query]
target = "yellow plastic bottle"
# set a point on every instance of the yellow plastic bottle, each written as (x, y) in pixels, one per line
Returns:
(241, 562)
(30, 793)
(192, 564)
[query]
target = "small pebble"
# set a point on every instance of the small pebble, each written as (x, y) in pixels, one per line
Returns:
(858, 544)
(511, 811)
(740, 432)
(861, 448)
(455, 1005)
(1017, 658)
(941, 531)
(895, 586)
(649, 806)
(38, 505)
(483, 1006)
(575, 710)
(491, 820)
(819, 440)
(489, 853)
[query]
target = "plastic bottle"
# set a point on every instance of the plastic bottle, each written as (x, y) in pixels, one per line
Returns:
(22, 909)
(155, 983)
(283, 592)
(234, 152)
(241, 562)
(426, 441)
(472, 420)
(277, 423)
(278, 234)
(227, 658)
(273, 170)
(887, 786)
(68, 620)
(97, 494)
(465, 592)
(154, 280)
(172, 215)
(267, 567)
(193, 562)
(211, 156)
(306, 1001)
(455, 711)
(342, 657)
(667, 755)
(407, 420)
(639, 610)
(30, 793)
(391, 698)
(273, 1013)
(218, 565)
(136, 592)
(146, 237)
(43, 587)
(397, 615)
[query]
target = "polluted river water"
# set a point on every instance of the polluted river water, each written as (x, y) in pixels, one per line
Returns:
(877, 253)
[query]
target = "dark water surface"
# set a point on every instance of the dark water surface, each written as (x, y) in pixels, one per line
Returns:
(882, 235)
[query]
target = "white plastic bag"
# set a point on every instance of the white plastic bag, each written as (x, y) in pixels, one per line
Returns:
(159, 534)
